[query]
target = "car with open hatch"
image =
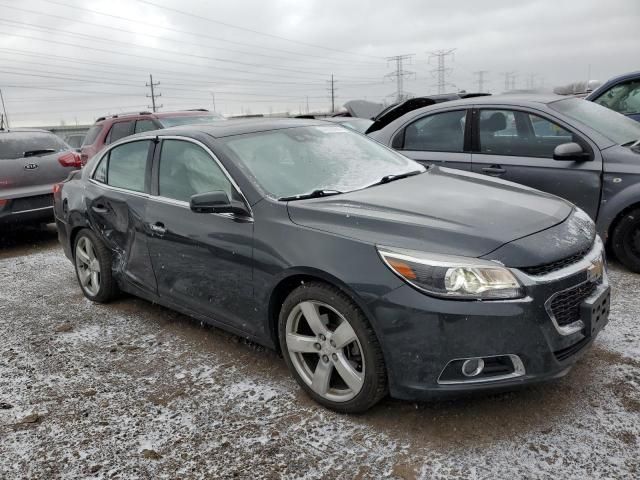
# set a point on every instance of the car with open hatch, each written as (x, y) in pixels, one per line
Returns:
(569, 147)
(371, 273)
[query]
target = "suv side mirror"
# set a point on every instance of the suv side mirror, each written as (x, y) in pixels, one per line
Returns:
(216, 202)
(572, 152)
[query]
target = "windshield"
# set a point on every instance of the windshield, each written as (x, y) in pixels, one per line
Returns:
(15, 144)
(612, 125)
(296, 161)
(189, 119)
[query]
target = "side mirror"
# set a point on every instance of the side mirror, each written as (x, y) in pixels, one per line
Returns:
(216, 202)
(572, 152)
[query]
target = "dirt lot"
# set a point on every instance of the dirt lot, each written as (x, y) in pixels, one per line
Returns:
(132, 390)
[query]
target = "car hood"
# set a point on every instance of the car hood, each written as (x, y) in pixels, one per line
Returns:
(440, 211)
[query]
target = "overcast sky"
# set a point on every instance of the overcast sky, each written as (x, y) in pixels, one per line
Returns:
(74, 60)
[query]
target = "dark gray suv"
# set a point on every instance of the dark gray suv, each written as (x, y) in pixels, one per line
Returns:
(569, 147)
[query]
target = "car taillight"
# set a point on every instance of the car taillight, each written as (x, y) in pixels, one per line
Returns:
(3, 202)
(70, 159)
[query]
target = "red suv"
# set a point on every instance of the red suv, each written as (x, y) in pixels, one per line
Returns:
(109, 129)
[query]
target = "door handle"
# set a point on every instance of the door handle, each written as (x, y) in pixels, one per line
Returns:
(158, 228)
(494, 170)
(99, 208)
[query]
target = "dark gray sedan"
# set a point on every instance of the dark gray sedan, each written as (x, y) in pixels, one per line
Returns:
(370, 272)
(569, 147)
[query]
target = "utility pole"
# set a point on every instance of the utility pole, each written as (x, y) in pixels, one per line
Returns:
(153, 95)
(5, 117)
(441, 71)
(332, 91)
(307, 104)
(213, 98)
(399, 74)
(480, 81)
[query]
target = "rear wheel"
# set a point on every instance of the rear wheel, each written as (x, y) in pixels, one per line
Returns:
(93, 267)
(331, 349)
(625, 240)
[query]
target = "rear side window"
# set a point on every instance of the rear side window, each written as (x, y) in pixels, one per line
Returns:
(28, 144)
(125, 166)
(145, 126)
(120, 130)
(441, 132)
(92, 134)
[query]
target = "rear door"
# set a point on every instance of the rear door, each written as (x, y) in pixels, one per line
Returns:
(518, 144)
(116, 198)
(441, 138)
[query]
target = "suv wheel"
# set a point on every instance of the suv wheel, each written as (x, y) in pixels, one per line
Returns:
(331, 349)
(92, 260)
(625, 240)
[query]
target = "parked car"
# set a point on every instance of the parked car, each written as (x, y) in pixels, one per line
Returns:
(75, 140)
(31, 162)
(370, 272)
(575, 149)
(621, 94)
(107, 130)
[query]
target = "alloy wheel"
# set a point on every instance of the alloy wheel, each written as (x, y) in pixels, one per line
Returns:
(325, 351)
(88, 266)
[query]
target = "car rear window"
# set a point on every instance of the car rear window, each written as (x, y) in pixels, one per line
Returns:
(92, 134)
(20, 144)
(190, 119)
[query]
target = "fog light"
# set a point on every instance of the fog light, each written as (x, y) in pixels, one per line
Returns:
(472, 367)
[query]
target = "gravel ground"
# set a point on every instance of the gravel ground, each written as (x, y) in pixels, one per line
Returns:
(133, 390)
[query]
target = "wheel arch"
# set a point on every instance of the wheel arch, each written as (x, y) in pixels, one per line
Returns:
(292, 279)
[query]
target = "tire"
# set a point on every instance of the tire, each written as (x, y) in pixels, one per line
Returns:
(92, 261)
(335, 357)
(625, 240)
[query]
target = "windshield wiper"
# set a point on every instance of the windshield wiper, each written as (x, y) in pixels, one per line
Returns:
(398, 176)
(314, 194)
(42, 151)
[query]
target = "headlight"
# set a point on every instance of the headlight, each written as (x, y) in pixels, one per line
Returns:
(452, 276)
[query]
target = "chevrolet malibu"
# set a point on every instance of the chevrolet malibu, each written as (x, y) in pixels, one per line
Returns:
(371, 273)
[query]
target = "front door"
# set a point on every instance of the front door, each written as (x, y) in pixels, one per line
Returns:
(437, 138)
(518, 146)
(202, 261)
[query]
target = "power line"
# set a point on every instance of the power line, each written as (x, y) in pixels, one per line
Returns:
(153, 95)
(399, 74)
(441, 72)
(199, 17)
(480, 80)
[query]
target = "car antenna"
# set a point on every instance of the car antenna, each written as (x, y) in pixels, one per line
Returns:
(5, 117)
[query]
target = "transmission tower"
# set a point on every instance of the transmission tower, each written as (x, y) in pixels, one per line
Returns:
(509, 81)
(153, 95)
(441, 72)
(399, 74)
(332, 93)
(531, 81)
(480, 81)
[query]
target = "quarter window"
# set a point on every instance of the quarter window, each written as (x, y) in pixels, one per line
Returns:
(127, 166)
(120, 130)
(186, 170)
(509, 132)
(441, 132)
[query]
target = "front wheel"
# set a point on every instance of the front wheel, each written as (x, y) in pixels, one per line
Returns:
(331, 349)
(92, 260)
(625, 240)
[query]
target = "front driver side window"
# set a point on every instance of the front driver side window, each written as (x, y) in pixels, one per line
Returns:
(440, 132)
(186, 169)
(623, 98)
(515, 133)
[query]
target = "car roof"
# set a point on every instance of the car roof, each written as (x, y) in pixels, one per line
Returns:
(241, 126)
(141, 115)
(25, 130)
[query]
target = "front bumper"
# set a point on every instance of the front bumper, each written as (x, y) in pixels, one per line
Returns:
(420, 334)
